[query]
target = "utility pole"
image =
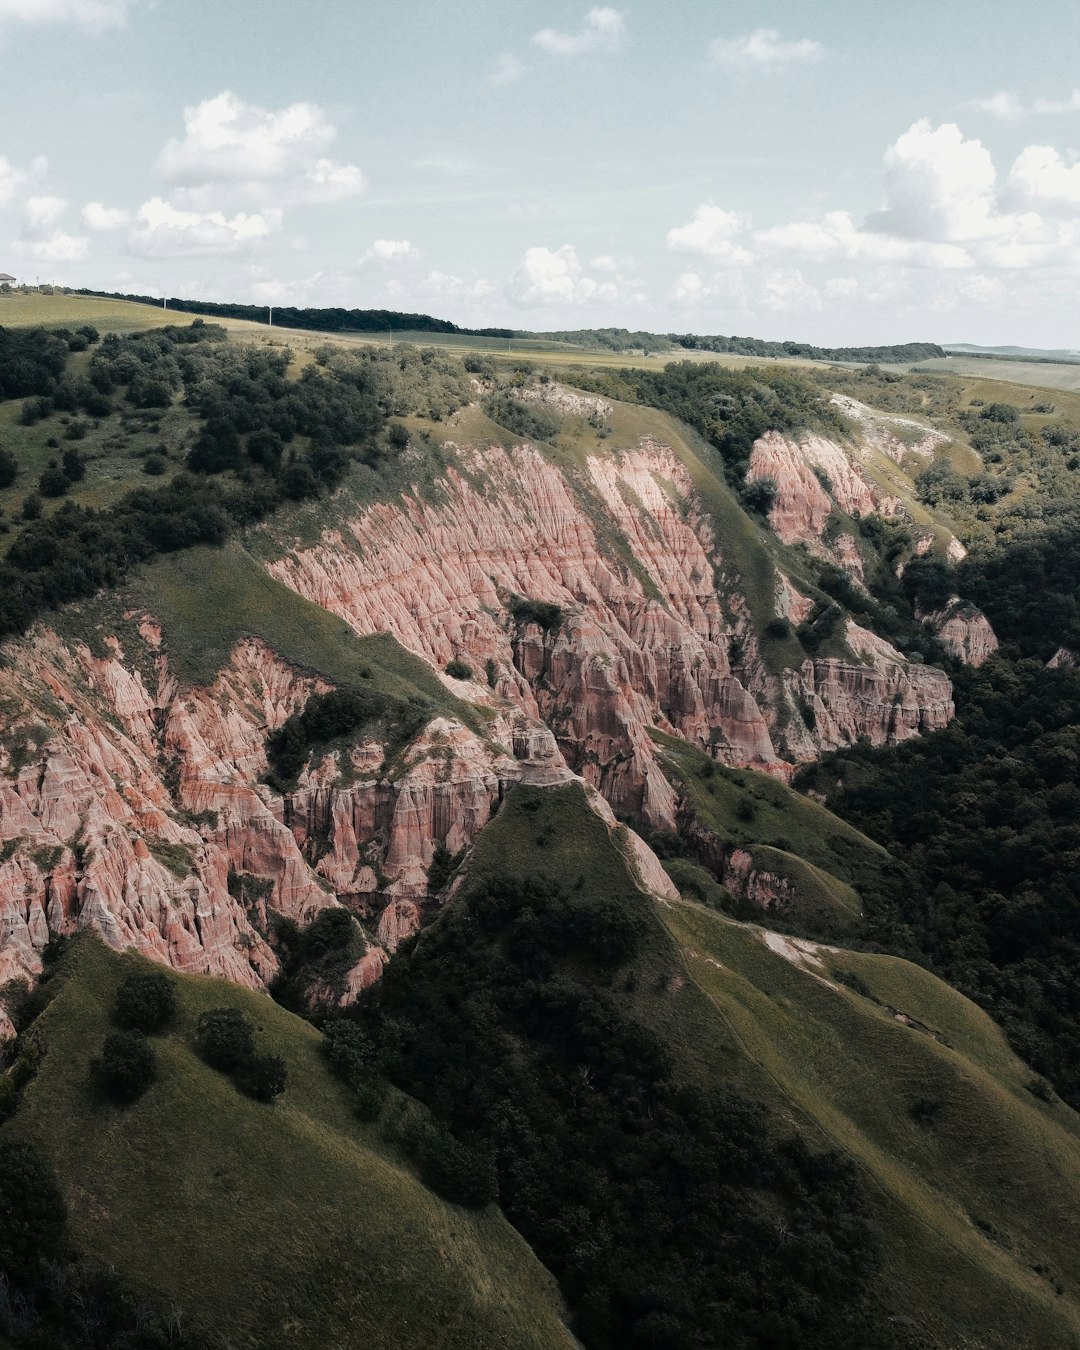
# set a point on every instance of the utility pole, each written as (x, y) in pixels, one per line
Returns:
(270, 321)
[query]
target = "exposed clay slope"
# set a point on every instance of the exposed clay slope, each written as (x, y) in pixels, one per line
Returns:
(654, 630)
(128, 806)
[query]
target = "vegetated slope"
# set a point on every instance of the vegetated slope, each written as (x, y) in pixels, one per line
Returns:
(986, 814)
(580, 562)
(284, 1224)
(971, 1176)
(546, 1016)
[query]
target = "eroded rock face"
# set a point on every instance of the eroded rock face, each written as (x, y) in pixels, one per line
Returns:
(964, 631)
(646, 634)
(139, 812)
(137, 808)
(812, 475)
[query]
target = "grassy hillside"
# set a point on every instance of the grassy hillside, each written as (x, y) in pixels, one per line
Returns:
(288, 1225)
(207, 599)
(973, 1176)
(835, 871)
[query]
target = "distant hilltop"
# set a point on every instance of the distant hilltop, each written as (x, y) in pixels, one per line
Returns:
(337, 320)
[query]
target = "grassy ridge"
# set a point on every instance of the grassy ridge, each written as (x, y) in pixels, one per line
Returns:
(832, 867)
(970, 1199)
(208, 599)
(289, 1225)
(975, 1179)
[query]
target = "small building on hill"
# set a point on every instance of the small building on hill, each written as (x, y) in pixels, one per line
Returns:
(6, 276)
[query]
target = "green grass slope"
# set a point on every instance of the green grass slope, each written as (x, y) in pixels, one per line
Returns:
(208, 599)
(283, 1225)
(974, 1180)
(832, 867)
(977, 1180)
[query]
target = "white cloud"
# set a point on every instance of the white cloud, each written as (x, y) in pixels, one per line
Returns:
(1004, 105)
(603, 31)
(764, 49)
(837, 235)
(710, 234)
(255, 155)
(14, 180)
(41, 215)
(1041, 178)
(604, 263)
(938, 186)
(690, 289)
(56, 246)
(786, 289)
(100, 218)
(93, 15)
(508, 68)
(555, 276)
(164, 231)
(1058, 105)
(390, 249)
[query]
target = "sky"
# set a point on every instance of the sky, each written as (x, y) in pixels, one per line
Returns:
(831, 172)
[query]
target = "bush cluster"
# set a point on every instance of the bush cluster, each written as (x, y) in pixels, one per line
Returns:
(225, 1039)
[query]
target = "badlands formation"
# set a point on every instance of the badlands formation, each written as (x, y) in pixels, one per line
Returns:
(135, 805)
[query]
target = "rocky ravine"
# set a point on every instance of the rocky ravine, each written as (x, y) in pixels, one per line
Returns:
(661, 637)
(134, 807)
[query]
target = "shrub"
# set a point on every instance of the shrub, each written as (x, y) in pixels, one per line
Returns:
(225, 1038)
(126, 1066)
(397, 436)
(760, 495)
(369, 1096)
(525, 611)
(491, 671)
(74, 465)
(458, 670)
(145, 1001)
(53, 482)
(32, 1210)
(263, 1077)
(9, 468)
(32, 507)
(154, 465)
(460, 1173)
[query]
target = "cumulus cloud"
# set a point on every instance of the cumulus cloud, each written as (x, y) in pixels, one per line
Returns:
(764, 49)
(56, 246)
(1004, 105)
(41, 215)
(258, 156)
(1040, 178)
(555, 276)
(100, 218)
(93, 15)
(14, 181)
(391, 249)
(952, 232)
(508, 68)
(785, 289)
(938, 185)
(690, 289)
(1058, 105)
(710, 234)
(604, 30)
(164, 231)
(1010, 108)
